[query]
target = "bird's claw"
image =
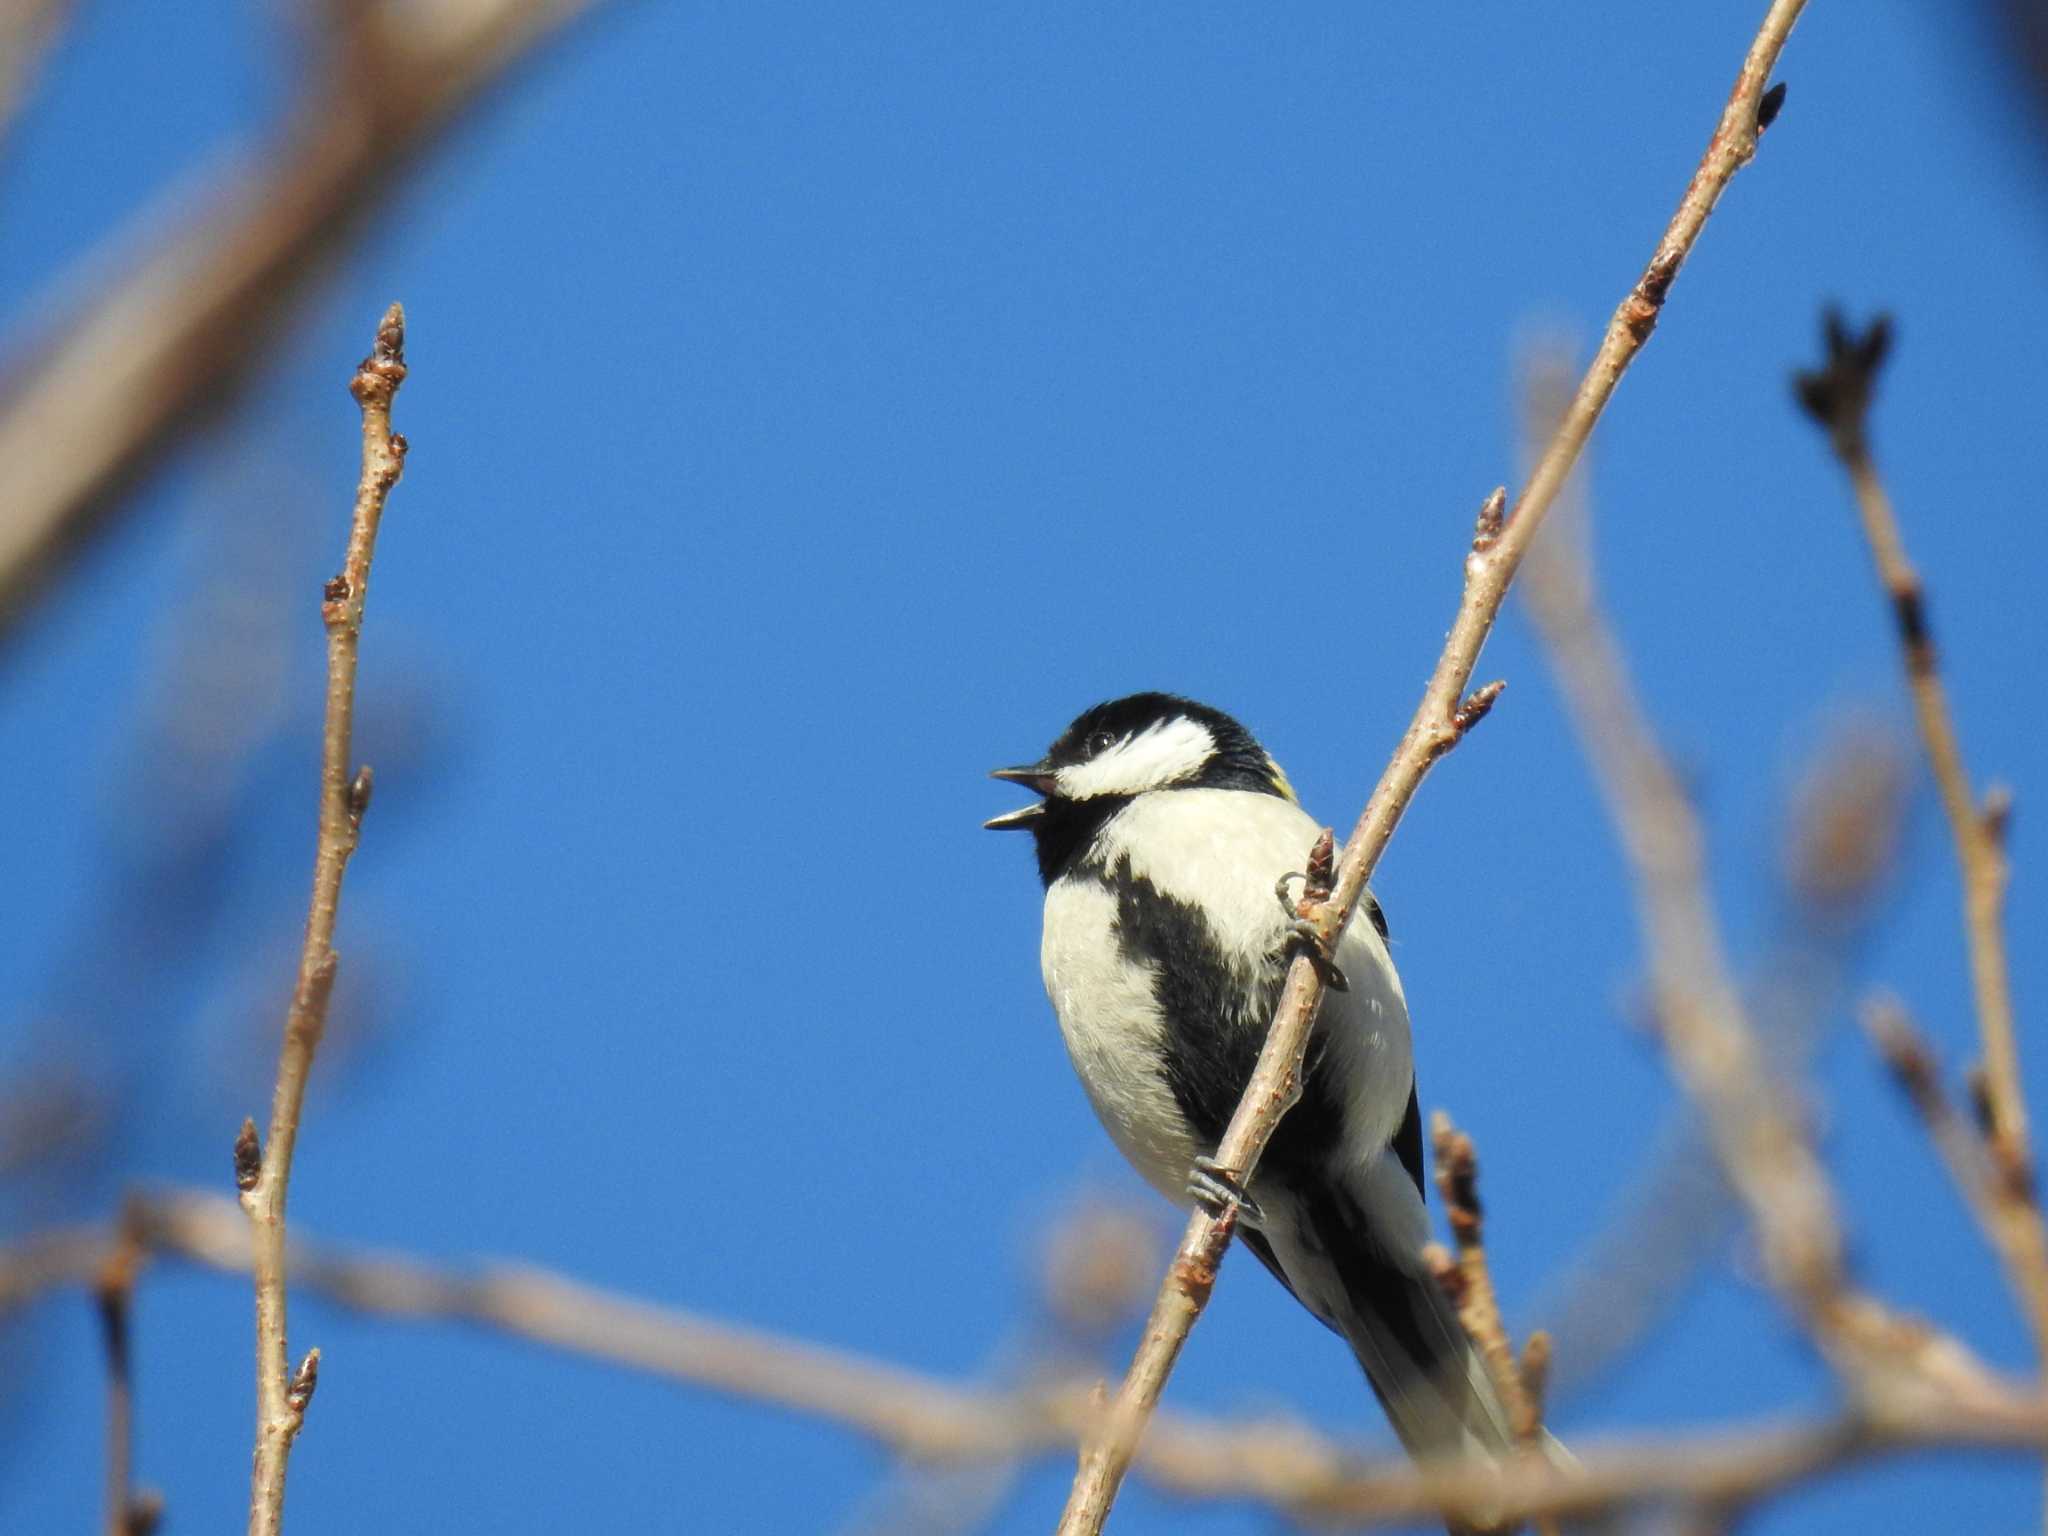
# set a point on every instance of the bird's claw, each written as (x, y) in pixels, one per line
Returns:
(1303, 934)
(1217, 1190)
(1280, 890)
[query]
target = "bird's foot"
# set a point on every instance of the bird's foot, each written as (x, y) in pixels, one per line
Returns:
(1287, 902)
(1217, 1190)
(1303, 934)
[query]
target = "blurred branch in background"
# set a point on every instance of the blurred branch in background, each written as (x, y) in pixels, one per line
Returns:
(127, 1513)
(1880, 1358)
(1838, 397)
(28, 28)
(1284, 1465)
(88, 405)
(1843, 834)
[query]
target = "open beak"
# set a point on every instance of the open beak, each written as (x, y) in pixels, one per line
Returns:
(1035, 778)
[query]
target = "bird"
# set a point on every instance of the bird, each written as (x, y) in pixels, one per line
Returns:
(1164, 834)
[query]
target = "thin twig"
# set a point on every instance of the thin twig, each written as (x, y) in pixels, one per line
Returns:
(2007, 1222)
(1445, 714)
(1467, 1282)
(1286, 1466)
(263, 1171)
(1838, 397)
(85, 408)
(127, 1513)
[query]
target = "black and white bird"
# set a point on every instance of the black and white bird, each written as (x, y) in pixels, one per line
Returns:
(1162, 833)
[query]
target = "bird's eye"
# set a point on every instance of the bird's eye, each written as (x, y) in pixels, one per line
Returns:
(1100, 743)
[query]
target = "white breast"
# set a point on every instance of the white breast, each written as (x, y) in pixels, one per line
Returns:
(1113, 1033)
(1222, 850)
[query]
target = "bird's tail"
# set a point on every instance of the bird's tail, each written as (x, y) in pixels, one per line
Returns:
(1415, 1353)
(1423, 1368)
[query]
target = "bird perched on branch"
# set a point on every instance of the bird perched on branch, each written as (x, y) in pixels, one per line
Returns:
(1165, 835)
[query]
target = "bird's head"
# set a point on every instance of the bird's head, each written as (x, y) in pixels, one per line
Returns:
(1126, 748)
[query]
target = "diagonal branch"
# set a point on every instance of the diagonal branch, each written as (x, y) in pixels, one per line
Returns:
(1440, 721)
(85, 408)
(2011, 1224)
(263, 1170)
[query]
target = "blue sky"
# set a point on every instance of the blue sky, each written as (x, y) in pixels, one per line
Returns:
(814, 407)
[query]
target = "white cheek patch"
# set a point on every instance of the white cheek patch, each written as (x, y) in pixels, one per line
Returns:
(1164, 755)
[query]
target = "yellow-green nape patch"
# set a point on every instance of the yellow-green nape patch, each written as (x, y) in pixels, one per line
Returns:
(1280, 783)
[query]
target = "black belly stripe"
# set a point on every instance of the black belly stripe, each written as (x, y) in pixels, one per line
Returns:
(1216, 1020)
(1407, 1144)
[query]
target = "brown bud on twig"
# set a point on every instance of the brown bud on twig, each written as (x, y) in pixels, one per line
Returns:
(1904, 1052)
(359, 790)
(1322, 869)
(378, 376)
(1997, 813)
(1493, 519)
(1977, 1084)
(248, 1157)
(1444, 1270)
(304, 1380)
(1478, 703)
(1457, 1178)
(1770, 106)
(145, 1513)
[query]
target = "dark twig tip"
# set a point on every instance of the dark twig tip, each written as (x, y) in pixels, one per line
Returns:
(248, 1157)
(1770, 106)
(1977, 1085)
(1837, 395)
(145, 1513)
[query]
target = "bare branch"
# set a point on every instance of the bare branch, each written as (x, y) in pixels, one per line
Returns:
(2007, 1214)
(1284, 1465)
(84, 409)
(127, 1513)
(1467, 1281)
(27, 29)
(263, 1174)
(1439, 722)
(1838, 397)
